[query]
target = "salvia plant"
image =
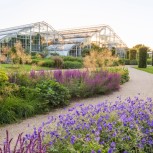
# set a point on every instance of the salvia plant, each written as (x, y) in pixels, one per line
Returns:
(122, 126)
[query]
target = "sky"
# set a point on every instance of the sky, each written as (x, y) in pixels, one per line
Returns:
(132, 20)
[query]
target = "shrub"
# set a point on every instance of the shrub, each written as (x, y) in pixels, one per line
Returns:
(46, 63)
(85, 52)
(72, 59)
(3, 77)
(127, 54)
(72, 65)
(152, 59)
(122, 71)
(118, 62)
(132, 54)
(130, 62)
(33, 54)
(133, 62)
(14, 108)
(86, 83)
(31, 95)
(126, 61)
(121, 61)
(58, 61)
(142, 57)
(53, 93)
(35, 61)
(54, 54)
(101, 83)
(21, 79)
(149, 61)
(8, 89)
(113, 50)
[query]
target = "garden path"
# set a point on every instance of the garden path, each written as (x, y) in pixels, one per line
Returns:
(140, 82)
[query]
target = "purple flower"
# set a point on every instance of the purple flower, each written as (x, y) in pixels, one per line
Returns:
(73, 138)
(110, 150)
(113, 144)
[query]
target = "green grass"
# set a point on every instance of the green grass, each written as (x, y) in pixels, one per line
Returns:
(11, 68)
(149, 69)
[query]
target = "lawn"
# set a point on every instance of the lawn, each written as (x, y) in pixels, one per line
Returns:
(149, 69)
(10, 67)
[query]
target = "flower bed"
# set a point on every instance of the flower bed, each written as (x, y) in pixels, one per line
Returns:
(25, 94)
(86, 83)
(117, 127)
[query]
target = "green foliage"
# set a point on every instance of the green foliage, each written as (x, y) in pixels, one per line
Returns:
(118, 62)
(97, 48)
(85, 52)
(132, 54)
(53, 93)
(121, 61)
(72, 65)
(125, 76)
(133, 62)
(113, 50)
(3, 77)
(33, 54)
(126, 61)
(149, 61)
(8, 89)
(32, 96)
(46, 63)
(138, 46)
(35, 61)
(127, 54)
(14, 108)
(152, 59)
(142, 57)
(122, 71)
(130, 62)
(72, 59)
(54, 54)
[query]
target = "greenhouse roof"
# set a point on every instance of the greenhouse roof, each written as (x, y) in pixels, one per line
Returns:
(2, 36)
(87, 32)
(15, 30)
(69, 36)
(82, 32)
(61, 47)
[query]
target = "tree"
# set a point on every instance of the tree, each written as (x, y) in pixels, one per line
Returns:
(127, 54)
(138, 46)
(132, 54)
(142, 57)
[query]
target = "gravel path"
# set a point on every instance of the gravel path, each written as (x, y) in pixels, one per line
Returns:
(140, 82)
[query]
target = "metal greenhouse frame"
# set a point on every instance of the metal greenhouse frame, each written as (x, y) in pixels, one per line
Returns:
(34, 37)
(40, 36)
(101, 35)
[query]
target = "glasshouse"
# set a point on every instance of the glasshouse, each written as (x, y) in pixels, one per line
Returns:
(40, 36)
(34, 37)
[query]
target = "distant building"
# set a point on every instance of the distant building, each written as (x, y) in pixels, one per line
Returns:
(40, 36)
